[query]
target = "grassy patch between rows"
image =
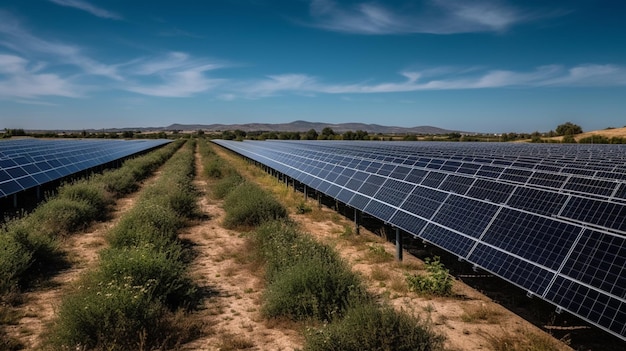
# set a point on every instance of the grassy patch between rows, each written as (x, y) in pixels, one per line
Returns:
(135, 297)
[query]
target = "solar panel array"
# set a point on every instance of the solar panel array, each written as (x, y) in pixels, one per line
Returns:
(551, 219)
(27, 163)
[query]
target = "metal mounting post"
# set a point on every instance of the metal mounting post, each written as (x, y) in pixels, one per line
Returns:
(398, 244)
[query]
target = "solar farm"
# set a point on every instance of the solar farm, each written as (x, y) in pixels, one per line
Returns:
(28, 163)
(551, 219)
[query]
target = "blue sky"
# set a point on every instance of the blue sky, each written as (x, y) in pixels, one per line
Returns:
(484, 65)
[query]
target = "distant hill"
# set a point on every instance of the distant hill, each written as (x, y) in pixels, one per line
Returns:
(303, 126)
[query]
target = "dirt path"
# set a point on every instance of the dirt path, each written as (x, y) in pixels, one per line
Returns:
(39, 307)
(222, 265)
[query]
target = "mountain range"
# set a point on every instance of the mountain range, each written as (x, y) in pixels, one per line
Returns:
(303, 126)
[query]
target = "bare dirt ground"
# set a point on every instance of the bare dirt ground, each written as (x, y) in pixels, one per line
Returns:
(232, 314)
(39, 307)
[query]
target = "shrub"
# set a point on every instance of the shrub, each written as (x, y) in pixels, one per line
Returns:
(213, 168)
(120, 182)
(114, 315)
(303, 208)
(312, 288)
(281, 246)
(437, 280)
(147, 223)
(15, 259)
(42, 248)
(370, 327)
(64, 215)
(225, 185)
(306, 279)
(146, 265)
(248, 205)
(92, 193)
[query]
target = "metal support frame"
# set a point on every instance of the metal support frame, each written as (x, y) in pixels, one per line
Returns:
(398, 244)
(357, 228)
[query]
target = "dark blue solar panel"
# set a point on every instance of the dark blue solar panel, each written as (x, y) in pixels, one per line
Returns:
(456, 184)
(549, 218)
(433, 179)
(454, 242)
(415, 176)
(27, 163)
(490, 190)
(520, 272)
(591, 186)
(359, 201)
(465, 215)
(408, 222)
(424, 202)
(394, 192)
(538, 201)
(535, 238)
(371, 185)
(611, 215)
(604, 310)
(379, 210)
(599, 260)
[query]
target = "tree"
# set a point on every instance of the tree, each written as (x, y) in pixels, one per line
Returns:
(228, 135)
(349, 135)
(568, 139)
(568, 129)
(361, 135)
(240, 133)
(327, 134)
(311, 135)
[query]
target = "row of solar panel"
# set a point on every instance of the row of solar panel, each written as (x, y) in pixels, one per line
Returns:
(27, 163)
(594, 212)
(579, 269)
(582, 159)
(600, 182)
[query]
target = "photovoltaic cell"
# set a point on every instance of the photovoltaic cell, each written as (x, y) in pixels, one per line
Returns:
(454, 242)
(537, 201)
(596, 212)
(538, 239)
(465, 215)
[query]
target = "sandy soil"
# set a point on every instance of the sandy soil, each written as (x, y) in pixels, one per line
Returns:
(232, 314)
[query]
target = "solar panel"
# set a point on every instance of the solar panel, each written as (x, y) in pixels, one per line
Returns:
(548, 218)
(27, 163)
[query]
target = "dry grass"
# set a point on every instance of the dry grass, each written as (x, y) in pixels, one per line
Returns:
(483, 313)
(229, 342)
(378, 254)
(521, 340)
(380, 274)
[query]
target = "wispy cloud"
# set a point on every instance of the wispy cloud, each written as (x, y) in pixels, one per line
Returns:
(177, 75)
(87, 7)
(14, 37)
(589, 75)
(18, 80)
(434, 17)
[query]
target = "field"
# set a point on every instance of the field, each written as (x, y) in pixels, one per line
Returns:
(218, 291)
